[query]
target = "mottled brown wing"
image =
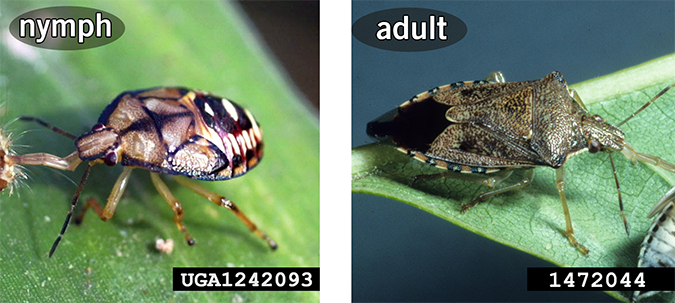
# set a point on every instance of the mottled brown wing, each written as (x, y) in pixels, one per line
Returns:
(470, 144)
(454, 94)
(509, 115)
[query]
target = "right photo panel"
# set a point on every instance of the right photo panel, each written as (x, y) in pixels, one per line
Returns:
(513, 151)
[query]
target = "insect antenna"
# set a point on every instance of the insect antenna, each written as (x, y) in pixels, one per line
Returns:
(48, 125)
(618, 189)
(646, 104)
(72, 209)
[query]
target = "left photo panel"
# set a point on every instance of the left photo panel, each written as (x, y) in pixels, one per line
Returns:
(159, 151)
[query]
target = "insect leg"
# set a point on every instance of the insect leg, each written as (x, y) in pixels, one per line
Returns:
(224, 202)
(113, 199)
(527, 179)
(116, 194)
(496, 76)
(430, 176)
(91, 202)
(632, 155)
(497, 178)
(560, 184)
(48, 125)
(72, 208)
(491, 181)
(175, 205)
(69, 162)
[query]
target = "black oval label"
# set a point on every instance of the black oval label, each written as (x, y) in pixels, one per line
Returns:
(409, 29)
(66, 27)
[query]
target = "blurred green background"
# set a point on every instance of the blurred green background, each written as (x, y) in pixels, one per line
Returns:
(206, 45)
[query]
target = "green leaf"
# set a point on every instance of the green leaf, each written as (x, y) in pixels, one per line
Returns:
(531, 219)
(205, 45)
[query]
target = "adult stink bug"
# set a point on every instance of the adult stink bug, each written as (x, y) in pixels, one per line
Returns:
(170, 130)
(493, 128)
(658, 247)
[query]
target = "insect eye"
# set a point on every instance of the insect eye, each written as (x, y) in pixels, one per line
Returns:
(110, 159)
(594, 147)
(97, 127)
(598, 118)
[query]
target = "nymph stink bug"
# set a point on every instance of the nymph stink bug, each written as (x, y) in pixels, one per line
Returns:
(493, 128)
(169, 130)
(658, 247)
